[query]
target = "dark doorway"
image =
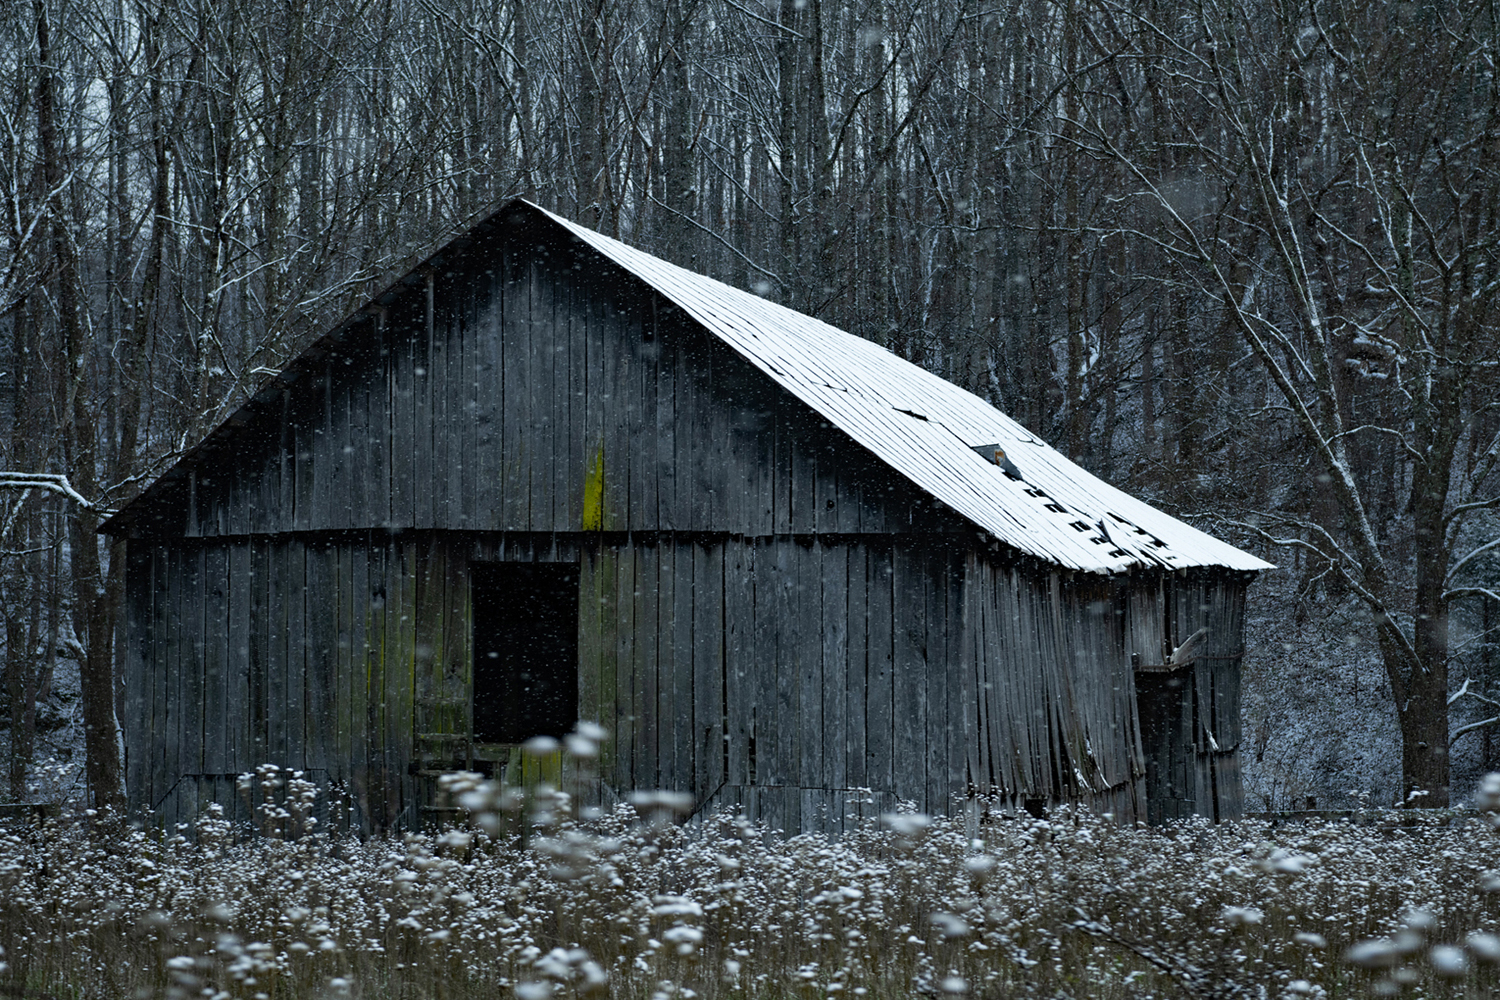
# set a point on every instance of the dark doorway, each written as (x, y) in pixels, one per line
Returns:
(525, 650)
(1164, 702)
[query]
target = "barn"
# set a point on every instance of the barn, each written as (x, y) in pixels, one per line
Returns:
(547, 477)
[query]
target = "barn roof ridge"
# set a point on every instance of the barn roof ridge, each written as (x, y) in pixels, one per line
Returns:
(924, 427)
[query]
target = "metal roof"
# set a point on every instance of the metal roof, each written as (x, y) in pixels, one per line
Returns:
(927, 428)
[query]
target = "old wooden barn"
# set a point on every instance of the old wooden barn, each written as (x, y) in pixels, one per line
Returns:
(548, 477)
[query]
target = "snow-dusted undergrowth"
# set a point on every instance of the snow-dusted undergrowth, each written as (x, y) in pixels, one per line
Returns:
(1074, 906)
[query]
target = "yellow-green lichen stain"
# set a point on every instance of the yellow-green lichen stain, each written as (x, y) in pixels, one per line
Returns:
(593, 494)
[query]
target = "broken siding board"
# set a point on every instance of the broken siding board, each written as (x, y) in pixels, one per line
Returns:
(963, 733)
(970, 690)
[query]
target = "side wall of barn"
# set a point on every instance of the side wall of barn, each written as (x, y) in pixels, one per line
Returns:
(810, 680)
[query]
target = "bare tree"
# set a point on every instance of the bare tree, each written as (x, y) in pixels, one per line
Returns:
(1336, 204)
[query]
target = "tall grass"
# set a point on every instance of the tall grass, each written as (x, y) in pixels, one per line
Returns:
(1073, 906)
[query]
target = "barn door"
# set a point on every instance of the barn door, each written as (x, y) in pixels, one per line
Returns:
(1164, 701)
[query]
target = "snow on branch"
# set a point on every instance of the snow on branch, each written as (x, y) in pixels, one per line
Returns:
(1455, 594)
(51, 482)
(1471, 727)
(1487, 547)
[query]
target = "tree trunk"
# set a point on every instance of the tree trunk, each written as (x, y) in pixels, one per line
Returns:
(90, 608)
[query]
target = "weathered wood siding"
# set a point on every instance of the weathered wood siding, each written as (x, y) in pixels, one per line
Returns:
(812, 680)
(532, 390)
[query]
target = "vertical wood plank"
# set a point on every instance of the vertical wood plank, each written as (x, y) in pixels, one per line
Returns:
(514, 416)
(787, 735)
(296, 653)
(541, 433)
(807, 606)
(878, 727)
(740, 661)
(642, 422)
(682, 721)
(484, 389)
(908, 676)
(324, 457)
(648, 659)
(857, 688)
(215, 661)
(669, 512)
(361, 660)
(709, 639)
(278, 694)
(319, 656)
(572, 379)
(627, 696)
(382, 405)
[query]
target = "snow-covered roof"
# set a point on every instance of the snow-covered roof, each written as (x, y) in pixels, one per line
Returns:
(927, 429)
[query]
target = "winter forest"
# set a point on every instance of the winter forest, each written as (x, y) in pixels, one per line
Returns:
(1237, 257)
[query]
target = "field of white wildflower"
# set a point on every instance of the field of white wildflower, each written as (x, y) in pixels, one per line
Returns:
(1071, 906)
